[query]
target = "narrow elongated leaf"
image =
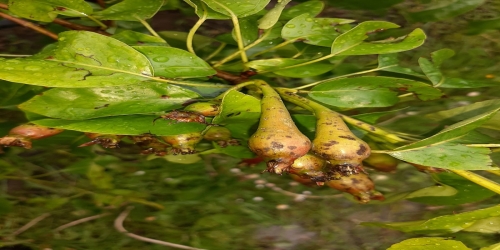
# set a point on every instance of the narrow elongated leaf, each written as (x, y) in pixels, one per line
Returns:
(130, 10)
(15, 93)
(390, 63)
(175, 63)
(313, 8)
(447, 156)
(441, 224)
(125, 125)
(315, 31)
(492, 247)
(352, 41)
(79, 104)
(47, 10)
(239, 113)
(241, 8)
(80, 59)
(486, 226)
(202, 9)
(426, 243)
(439, 56)
(363, 5)
(273, 15)
(275, 65)
(447, 9)
(139, 39)
(465, 191)
(369, 91)
(469, 111)
(240, 151)
(454, 131)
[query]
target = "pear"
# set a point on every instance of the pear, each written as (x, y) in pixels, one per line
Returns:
(183, 143)
(309, 167)
(204, 108)
(359, 185)
(217, 134)
(22, 135)
(277, 139)
(382, 162)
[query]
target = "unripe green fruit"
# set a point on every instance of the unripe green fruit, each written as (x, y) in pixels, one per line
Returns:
(277, 139)
(359, 185)
(22, 135)
(204, 108)
(310, 167)
(105, 140)
(217, 133)
(382, 162)
(184, 143)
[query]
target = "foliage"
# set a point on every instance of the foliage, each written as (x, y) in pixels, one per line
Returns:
(115, 84)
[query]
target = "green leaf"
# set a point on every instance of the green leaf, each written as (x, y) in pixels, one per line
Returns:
(352, 41)
(426, 243)
(130, 10)
(249, 30)
(136, 38)
(315, 31)
(98, 177)
(468, 112)
(447, 156)
(47, 10)
(373, 117)
(465, 191)
(175, 63)
(274, 65)
(201, 9)
(178, 39)
(363, 4)
(369, 91)
(80, 59)
(485, 226)
(241, 8)
(439, 56)
(239, 113)
(313, 8)
(481, 26)
(492, 247)
(79, 104)
(444, 10)
(125, 125)
(15, 93)
(441, 224)
(439, 80)
(273, 15)
(390, 63)
(454, 131)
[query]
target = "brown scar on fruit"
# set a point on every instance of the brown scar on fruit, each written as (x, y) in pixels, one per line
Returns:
(182, 116)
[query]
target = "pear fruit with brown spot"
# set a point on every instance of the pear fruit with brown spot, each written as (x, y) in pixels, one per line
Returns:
(310, 167)
(22, 135)
(334, 141)
(204, 108)
(277, 139)
(183, 143)
(359, 185)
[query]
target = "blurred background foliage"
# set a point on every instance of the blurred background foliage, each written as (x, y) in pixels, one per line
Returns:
(219, 202)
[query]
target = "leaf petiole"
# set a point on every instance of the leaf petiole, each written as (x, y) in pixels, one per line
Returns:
(480, 180)
(192, 31)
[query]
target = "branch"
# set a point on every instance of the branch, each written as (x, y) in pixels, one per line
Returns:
(30, 224)
(29, 25)
(119, 227)
(235, 79)
(82, 220)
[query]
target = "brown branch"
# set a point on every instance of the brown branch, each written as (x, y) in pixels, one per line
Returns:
(235, 79)
(29, 25)
(101, 3)
(80, 221)
(30, 224)
(4, 6)
(119, 227)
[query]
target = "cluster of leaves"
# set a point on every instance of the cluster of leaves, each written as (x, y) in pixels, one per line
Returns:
(116, 81)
